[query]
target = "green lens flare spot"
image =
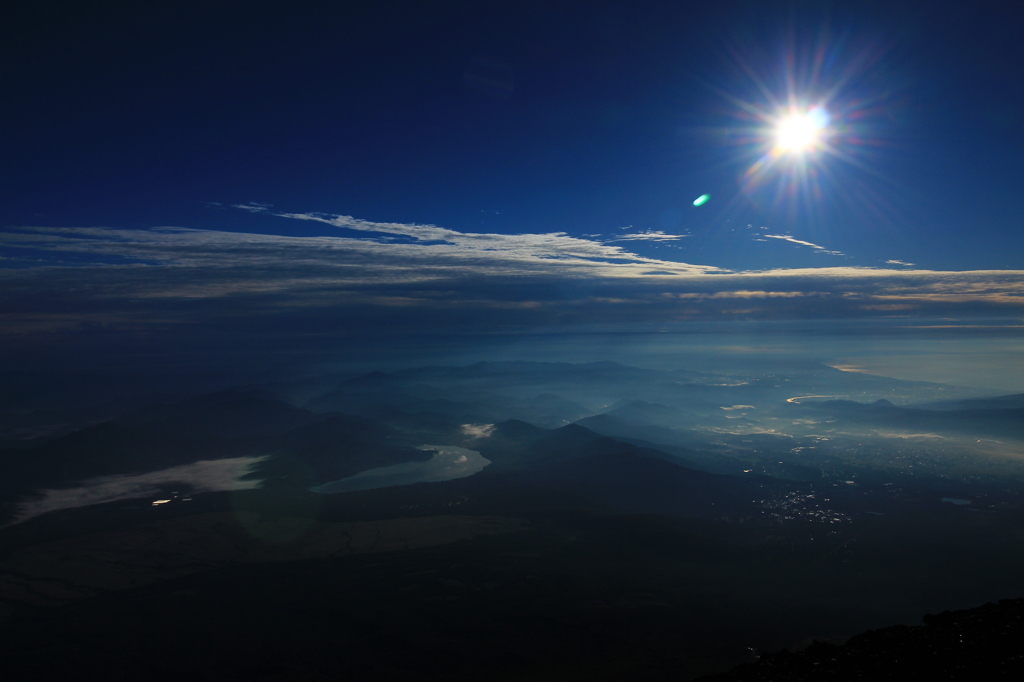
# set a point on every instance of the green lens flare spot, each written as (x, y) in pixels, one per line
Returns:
(701, 200)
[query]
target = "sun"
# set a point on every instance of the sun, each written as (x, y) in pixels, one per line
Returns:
(800, 132)
(811, 117)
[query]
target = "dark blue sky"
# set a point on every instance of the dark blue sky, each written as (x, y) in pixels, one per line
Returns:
(486, 166)
(515, 117)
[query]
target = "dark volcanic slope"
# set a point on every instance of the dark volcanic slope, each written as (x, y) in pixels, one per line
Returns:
(106, 449)
(976, 644)
(226, 414)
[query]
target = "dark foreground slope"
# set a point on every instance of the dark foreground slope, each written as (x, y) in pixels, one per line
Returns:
(984, 643)
(257, 586)
(549, 597)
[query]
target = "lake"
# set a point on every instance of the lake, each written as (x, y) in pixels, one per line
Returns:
(449, 462)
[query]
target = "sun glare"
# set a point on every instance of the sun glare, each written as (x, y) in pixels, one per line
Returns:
(808, 115)
(801, 132)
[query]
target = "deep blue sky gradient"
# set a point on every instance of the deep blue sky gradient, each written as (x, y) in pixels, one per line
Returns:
(556, 146)
(513, 117)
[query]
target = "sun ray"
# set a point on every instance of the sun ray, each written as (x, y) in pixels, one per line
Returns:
(809, 127)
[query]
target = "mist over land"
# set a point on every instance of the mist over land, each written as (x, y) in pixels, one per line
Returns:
(745, 500)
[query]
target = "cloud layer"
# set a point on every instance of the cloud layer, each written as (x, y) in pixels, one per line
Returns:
(382, 277)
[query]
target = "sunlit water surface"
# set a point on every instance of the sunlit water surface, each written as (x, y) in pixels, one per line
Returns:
(449, 462)
(197, 477)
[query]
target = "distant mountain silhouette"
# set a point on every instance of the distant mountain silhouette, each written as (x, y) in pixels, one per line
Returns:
(680, 443)
(644, 412)
(1003, 402)
(378, 397)
(607, 475)
(342, 445)
(632, 481)
(1001, 422)
(608, 424)
(552, 394)
(228, 414)
(516, 445)
(106, 449)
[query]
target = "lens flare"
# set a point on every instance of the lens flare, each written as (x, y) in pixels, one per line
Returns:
(801, 132)
(810, 118)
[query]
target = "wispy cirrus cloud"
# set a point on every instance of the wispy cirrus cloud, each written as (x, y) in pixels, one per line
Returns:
(386, 276)
(650, 236)
(801, 242)
(492, 247)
